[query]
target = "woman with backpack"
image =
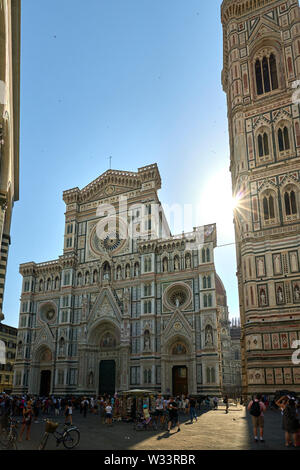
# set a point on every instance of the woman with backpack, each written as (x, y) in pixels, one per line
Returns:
(290, 423)
(257, 408)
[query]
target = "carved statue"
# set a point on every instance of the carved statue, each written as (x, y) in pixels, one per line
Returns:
(208, 336)
(263, 298)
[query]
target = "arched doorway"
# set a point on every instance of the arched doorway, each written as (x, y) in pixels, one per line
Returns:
(45, 383)
(180, 380)
(107, 377)
(45, 372)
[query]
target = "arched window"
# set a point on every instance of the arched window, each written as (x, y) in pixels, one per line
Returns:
(56, 283)
(283, 139)
(213, 375)
(204, 283)
(273, 71)
(87, 277)
(207, 255)
(266, 74)
(208, 379)
(209, 300)
(263, 144)
(268, 207)
(79, 279)
(203, 256)
(205, 300)
(136, 269)
(106, 271)
(290, 202)
(208, 282)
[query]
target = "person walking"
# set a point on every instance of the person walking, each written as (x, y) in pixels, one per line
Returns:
(257, 408)
(290, 423)
(85, 405)
(215, 403)
(193, 414)
(173, 414)
(27, 420)
(108, 411)
(69, 413)
(225, 401)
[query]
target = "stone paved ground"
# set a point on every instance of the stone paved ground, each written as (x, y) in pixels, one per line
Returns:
(214, 430)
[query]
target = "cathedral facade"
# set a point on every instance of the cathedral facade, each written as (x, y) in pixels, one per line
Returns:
(260, 76)
(127, 305)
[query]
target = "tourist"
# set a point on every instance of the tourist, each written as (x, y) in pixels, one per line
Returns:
(27, 420)
(290, 423)
(108, 411)
(192, 408)
(173, 414)
(215, 403)
(85, 405)
(257, 408)
(186, 405)
(68, 413)
(226, 402)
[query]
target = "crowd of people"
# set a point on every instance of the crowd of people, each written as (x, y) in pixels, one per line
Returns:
(161, 411)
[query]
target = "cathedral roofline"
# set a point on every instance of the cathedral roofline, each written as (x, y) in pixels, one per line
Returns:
(132, 180)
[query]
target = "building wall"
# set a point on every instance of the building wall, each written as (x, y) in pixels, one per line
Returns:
(9, 124)
(75, 313)
(8, 339)
(264, 134)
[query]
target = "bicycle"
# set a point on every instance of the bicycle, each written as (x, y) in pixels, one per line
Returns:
(9, 436)
(70, 436)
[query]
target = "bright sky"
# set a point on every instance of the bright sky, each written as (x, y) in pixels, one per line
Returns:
(139, 80)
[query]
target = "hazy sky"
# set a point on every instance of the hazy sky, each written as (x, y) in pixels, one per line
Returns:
(139, 80)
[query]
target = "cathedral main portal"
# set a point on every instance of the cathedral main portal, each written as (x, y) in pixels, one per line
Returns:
(45, 383)
(107, 377)
(180, 380)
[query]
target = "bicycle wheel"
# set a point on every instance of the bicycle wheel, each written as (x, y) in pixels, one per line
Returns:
(71, 439)
(43, 441)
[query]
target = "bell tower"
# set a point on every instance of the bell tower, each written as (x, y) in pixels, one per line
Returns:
(260, 76)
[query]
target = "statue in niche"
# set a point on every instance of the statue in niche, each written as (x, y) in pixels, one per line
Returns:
(176, 264)
(277, 264)
(260, 267)
(294, 262)
(208, 336)
(146, 341)
(127, 271)
(296, 293)
(263, 297)
(188, 261)
(165, 265)
(279, 295)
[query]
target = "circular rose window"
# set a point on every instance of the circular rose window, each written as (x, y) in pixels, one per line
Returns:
(177, 296)
(108, 235)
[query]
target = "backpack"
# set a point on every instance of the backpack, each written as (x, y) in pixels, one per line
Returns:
(255, 409)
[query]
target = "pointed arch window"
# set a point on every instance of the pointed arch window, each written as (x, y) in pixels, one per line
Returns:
(266, 74)
(204, 283)
(268, 207)
(263, 144)
(283, 139)
(203, 256)
(290, 202)
(207, 255)
(208, 282)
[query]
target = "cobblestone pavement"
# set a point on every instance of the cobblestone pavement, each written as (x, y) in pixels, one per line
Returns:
(214, 430)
